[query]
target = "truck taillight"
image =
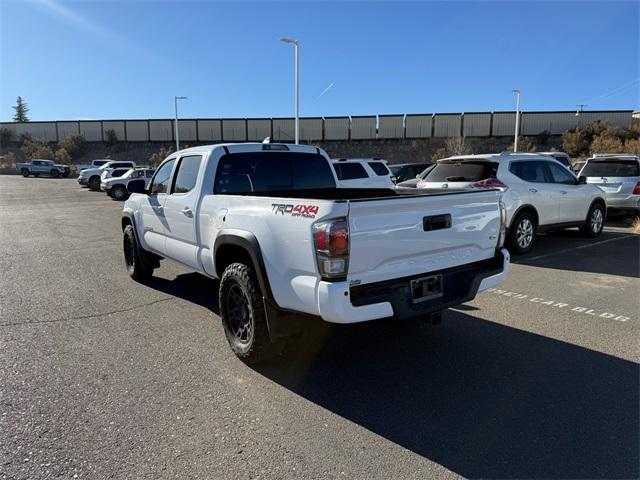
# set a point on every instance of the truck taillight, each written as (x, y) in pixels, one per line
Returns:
(489, 183)
(503, 224)
(331, 239)
(636, 189)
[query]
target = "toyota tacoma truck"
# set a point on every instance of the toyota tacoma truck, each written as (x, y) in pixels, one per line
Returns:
(268, 221)
(43, 167)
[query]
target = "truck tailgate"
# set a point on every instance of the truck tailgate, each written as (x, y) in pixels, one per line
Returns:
(403, 236)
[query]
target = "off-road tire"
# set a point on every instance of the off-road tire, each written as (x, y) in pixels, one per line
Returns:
(594, 223)
(138, 261)
(94, 183)
(243, 315)
(25, 172)
(522, 234)
(118, 193)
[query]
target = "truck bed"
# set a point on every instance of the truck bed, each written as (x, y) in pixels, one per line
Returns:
(345, 194)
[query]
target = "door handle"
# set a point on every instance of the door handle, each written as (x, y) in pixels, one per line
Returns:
(563, 192)
(187, 212)
(533, 190)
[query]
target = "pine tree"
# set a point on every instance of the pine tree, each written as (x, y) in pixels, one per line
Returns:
(21, 111)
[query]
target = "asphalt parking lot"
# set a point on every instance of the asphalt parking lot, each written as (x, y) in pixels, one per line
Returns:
(102, 377)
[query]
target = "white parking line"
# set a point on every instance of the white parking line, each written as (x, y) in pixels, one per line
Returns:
(559, 305)
(572, 249)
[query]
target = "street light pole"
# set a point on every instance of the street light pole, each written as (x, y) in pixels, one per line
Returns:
(296, 66)
(515, 140)
(175, 105)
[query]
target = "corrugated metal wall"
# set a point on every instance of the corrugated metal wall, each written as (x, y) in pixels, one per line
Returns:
(476, 125)
(137, 130)
(258, 129)
(336, 128)
(418, 126)
(91, 131)
(447, 124)
(209, 130)
(390, 126)
(310, 129)
(160, 130)
(363, 128)
(504, 123)
(283, 129)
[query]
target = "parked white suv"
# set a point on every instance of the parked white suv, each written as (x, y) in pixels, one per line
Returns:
(91, 176)
(362, 173)
(539, 193)
(618, 176)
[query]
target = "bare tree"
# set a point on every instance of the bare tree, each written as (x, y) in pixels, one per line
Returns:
(456, 146)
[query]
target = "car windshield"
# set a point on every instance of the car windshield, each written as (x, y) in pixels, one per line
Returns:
(460, 172)
(611, 168)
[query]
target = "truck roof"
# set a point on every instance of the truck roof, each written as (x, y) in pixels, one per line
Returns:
(253, 147)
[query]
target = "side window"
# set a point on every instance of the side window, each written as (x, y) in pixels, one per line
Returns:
(160, 183)
(187, 174)
(561, 175)
(379, 168)
(516, 169)
(535, 172)
(350, 171)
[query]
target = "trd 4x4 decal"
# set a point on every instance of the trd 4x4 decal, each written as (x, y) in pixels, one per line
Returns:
(309, 211)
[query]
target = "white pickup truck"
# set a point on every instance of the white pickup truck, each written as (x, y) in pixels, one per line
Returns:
(269, 222)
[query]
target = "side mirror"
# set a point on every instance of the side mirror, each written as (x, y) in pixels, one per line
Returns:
(582, 180)
(137, 186)
(394, 179)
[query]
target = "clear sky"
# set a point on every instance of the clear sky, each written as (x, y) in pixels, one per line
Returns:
(122, 59)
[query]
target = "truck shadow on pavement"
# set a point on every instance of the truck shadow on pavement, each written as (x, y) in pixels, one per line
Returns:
(481, 399)
(618, 254)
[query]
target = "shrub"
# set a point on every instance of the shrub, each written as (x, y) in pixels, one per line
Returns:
(543, 137)
(160, 155)
(37, 149)
(456, 146)
(439, 153)
(8, 160)
(525, 144)
(63, 157)
(632, 146)
(74, 145)
(110, 137)
(607, 144)
(6, 136)
(575, 143)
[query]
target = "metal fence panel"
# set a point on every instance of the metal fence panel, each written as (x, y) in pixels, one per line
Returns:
(363, 128)
(310, 129)
(37, 130)
(187, 130)
(258, 129)
(391, 126)
(336, 128)
(234, 130)
(91, 131)
(137, 130)
(209, 130)
(66, 129)
(161, 130)
(504, 124)
(476, 124)
(418, 126)
(613, 118)
(447, 124)
(283, 130)
(534, 123)
(115, 125)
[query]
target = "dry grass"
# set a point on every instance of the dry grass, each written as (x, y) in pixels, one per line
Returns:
(636, 225)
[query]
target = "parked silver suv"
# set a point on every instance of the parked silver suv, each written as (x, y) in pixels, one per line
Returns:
(618, 176)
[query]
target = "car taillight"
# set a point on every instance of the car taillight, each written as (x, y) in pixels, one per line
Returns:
(331, 239)
(636, 189)
(503, 224)
(489, 183)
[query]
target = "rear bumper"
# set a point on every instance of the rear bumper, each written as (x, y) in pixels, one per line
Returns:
(339, 303)
(630, 202)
